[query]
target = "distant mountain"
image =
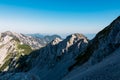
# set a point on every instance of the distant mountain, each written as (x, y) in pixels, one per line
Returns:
(46, 38)
(36, 35)
(13, 46)
(52, 60)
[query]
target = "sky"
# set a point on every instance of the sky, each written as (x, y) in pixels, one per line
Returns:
(57, 16)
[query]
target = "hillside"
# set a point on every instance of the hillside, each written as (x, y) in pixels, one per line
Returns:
(100, 60)
(51, 60)
(74, 58)
(13, 46)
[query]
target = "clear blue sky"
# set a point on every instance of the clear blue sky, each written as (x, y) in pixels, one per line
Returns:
(57, 16)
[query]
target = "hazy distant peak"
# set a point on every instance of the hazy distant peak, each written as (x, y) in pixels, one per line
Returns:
(7, 33)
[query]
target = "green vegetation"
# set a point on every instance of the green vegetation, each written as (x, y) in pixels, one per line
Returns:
(7, 57)
(5, 65)
(21, 50)
(21, 61)
(25, 49)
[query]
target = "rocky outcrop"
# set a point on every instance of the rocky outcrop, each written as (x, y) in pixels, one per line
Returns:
(23, 39)
(54, 59)
(57, 56)
(73, 58)
(95, 62)
(105, 42)
(13, 46)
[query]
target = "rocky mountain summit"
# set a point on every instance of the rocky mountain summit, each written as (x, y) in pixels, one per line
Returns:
(33, 42)
(13, 46)
(74, 58)
(56, 57)
(100, 60)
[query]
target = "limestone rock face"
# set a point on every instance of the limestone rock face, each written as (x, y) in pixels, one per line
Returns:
(13, 46)
(56, 57)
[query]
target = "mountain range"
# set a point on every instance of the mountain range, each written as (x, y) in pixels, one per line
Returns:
(45, 38)
(14, 45)
(73, 58)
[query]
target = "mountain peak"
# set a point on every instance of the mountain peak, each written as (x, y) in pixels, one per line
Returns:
(56, 41)
(7, 32)
(76, 35)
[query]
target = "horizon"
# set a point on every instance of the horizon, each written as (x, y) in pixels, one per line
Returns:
(63, 36)
(57, 17)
